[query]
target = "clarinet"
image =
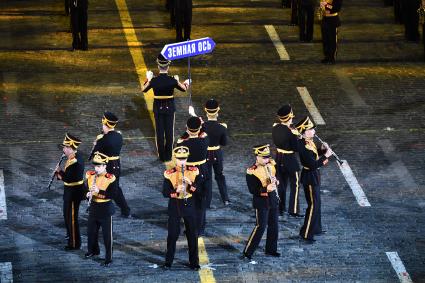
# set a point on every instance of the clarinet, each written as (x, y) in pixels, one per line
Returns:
(54, 171)
(184, 186)
(272, 180)
(333, 153)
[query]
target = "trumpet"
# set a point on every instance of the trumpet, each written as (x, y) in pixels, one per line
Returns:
(272, 179)
(333, 153)
(54, 170)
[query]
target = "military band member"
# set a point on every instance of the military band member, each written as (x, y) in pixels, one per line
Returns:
(73, 177)
(261, 180)
(330, 24)
(285, 139)
(311, 160)
(164, 107)
(217, 134)
(101, 187)
(306, 19)
(78, 10)
(183, 16)
(294, 12)
(197, 142)
(110, 143)
(180, 187)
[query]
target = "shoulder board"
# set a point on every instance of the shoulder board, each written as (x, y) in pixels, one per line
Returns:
(224, 125)
(202, 135)
(272, 161)
(119, 132)
(72, 161)
(167, 173)
(180, 140)
(90, 173)
(295, 132)
(98, 137)
(251, 169)
(109, 175)
(275, 124)
(192, 168)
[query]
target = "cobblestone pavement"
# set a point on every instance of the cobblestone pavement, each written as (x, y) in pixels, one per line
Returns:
(372, 102)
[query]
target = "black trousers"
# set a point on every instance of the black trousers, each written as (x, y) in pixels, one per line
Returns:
(411, 20)
(293, 178)
(286, 3)
(93, 226)
(294, 12)
(70, 213)
(191, 236)
(183, 15)
(398, 11)
(164, 127)
(114, 167)
(329, 39)
(215, 161)
(266, 217)
(306, 22)
(79, 24)
(312, 221)
(67, 7)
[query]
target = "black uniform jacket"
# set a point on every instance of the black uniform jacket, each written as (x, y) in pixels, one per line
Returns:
(109, 144)
(163, 87)
(286, 139)
(333, 6)
(73, 177)
(311, 162)
(101, 205)
(181, 204)
(217, 133)
(257, 180)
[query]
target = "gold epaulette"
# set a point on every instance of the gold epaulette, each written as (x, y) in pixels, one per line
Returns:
(224, 125)
(275, 124)
(98, 137)
(180, 140)
(110, 178)
(90, 172)
(251, 169)
(202, 135)
(295, 132)
(193, 168)
(168, 173)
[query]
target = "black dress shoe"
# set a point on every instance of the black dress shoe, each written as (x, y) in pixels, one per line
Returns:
(244, 256)
(89, 255)
(106, 263)
(195, 267)
(323, 232)
(275, 254)
(166, 266)
(69, 248)
(307, 241)
(296, 215)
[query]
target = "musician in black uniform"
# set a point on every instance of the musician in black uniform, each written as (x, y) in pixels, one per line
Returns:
(306, 19)
(285, 139)
(330, 24)
(164, 107)
(183, 16)
(411, 19)
(67, 2)
(197, 142)
(262, 182)
(294, 12)
(398, 11)
(217, 134)
(72, 176)
(169, 6)
(101, 187)
(311, 159)
(110, 143)
(78, 10)
(180, 187)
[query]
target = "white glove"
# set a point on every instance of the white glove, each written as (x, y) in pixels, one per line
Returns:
(88, 195)
(187, 82)
(149, 75)
(176, 77)
(192, 111)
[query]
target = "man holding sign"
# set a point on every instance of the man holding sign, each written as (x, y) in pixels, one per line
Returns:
(164, 107)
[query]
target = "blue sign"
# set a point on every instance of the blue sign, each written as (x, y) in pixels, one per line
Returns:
(188, 48)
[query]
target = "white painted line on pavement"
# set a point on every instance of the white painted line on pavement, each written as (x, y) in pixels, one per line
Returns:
(6, 275)
(3, 207)
(283, 54)
(352, 182)
(348, 87)
(311, 107)
(399, 267)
